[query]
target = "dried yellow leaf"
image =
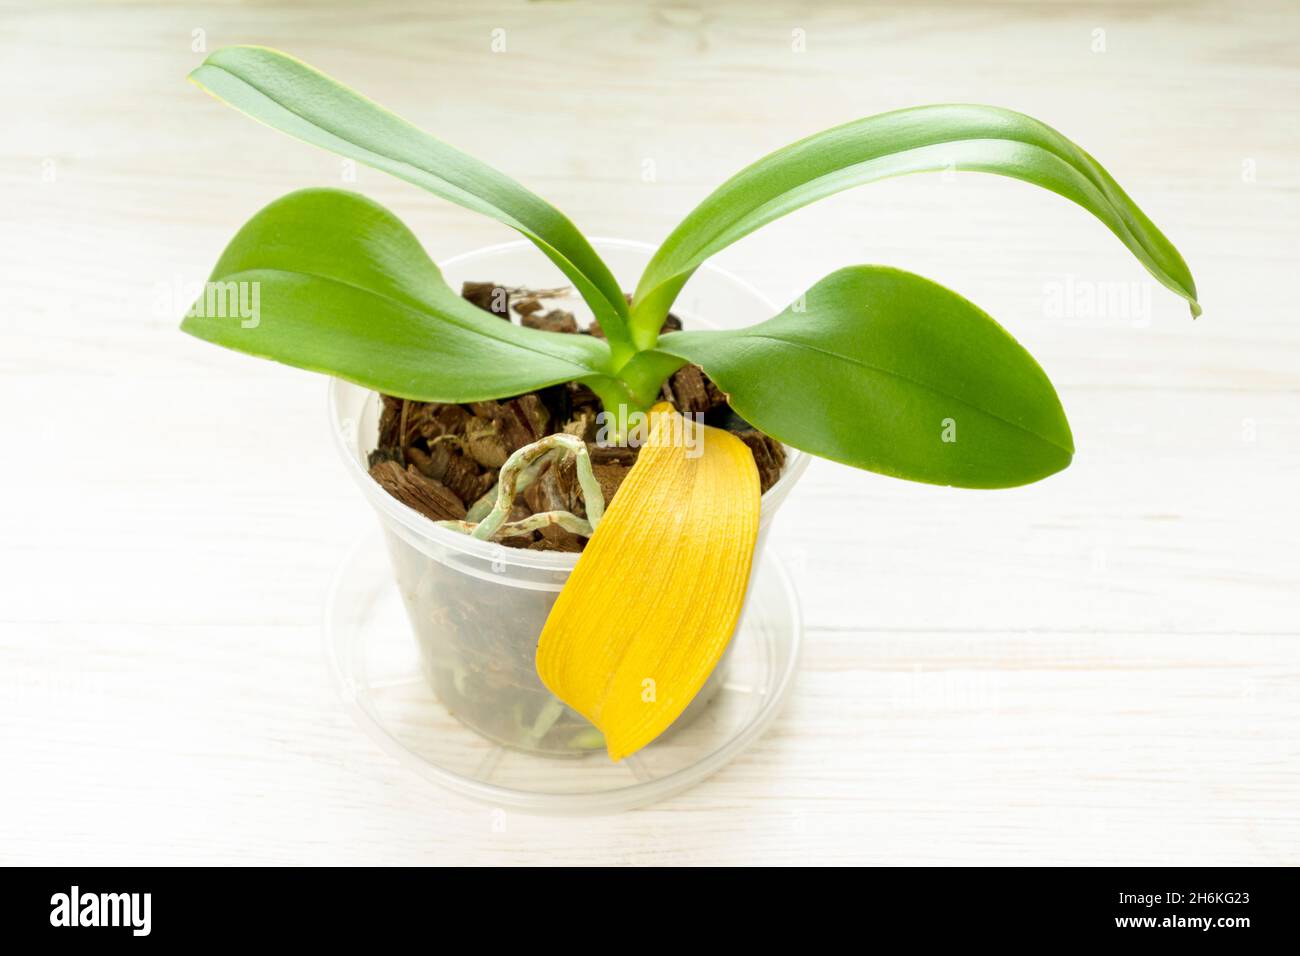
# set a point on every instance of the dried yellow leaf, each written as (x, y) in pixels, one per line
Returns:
(657, 592)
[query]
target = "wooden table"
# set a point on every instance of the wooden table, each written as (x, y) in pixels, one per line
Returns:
(1103, 668)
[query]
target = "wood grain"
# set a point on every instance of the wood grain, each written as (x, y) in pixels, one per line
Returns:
(1103, 668)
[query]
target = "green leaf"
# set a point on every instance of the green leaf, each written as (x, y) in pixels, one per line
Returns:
(333, 282)
(885, 370)
(294, 98)
(926, 138)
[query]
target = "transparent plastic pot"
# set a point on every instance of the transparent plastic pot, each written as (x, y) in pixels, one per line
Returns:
(476, 607)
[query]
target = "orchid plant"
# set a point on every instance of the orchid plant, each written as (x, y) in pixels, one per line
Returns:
(868, 367)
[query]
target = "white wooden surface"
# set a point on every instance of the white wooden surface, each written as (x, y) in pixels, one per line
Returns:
(1104, 668)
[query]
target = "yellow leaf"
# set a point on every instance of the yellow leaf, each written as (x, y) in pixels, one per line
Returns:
(657, 592)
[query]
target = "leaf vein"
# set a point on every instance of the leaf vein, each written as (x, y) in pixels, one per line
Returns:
(911, 381)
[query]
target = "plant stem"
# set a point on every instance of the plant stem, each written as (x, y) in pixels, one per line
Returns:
(618, 401)
(645, 375)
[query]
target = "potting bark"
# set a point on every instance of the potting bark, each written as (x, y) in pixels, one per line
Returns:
(441, 459)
